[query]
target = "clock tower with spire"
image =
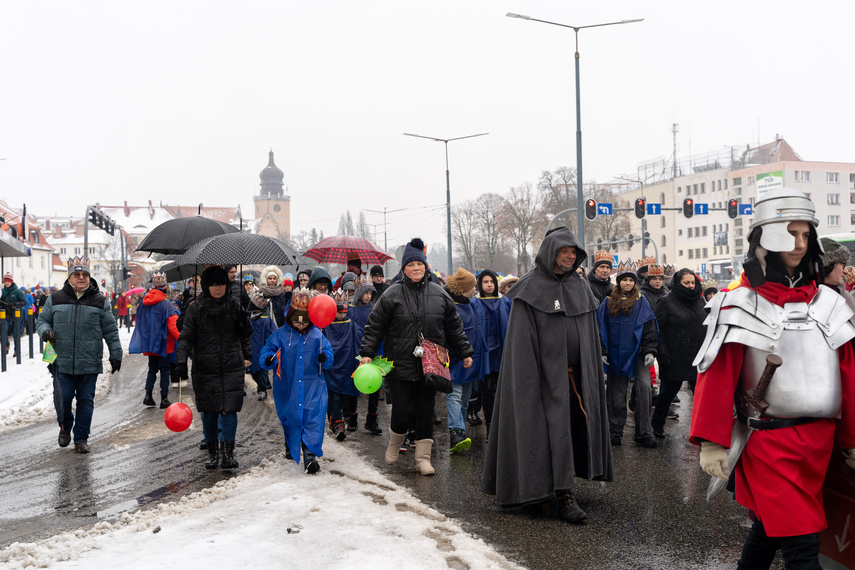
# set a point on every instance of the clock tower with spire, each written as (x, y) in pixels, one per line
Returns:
(272, 205)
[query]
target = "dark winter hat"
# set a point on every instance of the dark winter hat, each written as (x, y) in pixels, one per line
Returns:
(8, 277)
(353, 259)
(834, 253)
(348, 281)
(414, 251)
(376, 271)
(709, 290)
(215, 275)
(305, 272)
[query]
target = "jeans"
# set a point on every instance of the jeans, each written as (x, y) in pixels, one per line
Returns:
(412, 407)
(262, 379)
(336, 403)
(457, 404)
(799, 552)
(229, 426)
(158, 364)
(82, 387)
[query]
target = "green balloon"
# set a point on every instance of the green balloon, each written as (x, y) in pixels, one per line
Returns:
(367, 378)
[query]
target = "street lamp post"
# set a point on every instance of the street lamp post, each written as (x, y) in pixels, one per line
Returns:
(580, 199)
(385, 234)
(447, 183)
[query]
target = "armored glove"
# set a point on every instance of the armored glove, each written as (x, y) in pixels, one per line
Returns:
(714, 460)
(648, 360)
(181, 371)
(48, 336)
(269, 360)
(115, 365)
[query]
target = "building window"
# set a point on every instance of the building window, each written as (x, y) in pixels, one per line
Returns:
(691, 254)
(703, 188)
(690, 231)
(719, 185)
(695, 189)
(91, 251)
(852, 197)
(665, 258)
(831, 177)
(706, 253)
(852, 181)
(62, 249)
(662, 198)
(76, 251)
(663, 241)
(737, 191)
(833, 220)
(679, 233)
(679, 189)
(725, 183)
(698, 253)
(704, 231)
(805, 175)
(852, 219)
(833, 199)
(680, 253)
(662, 222)
(750, 180)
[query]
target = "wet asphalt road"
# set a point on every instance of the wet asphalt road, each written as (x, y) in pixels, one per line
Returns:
(654, 515)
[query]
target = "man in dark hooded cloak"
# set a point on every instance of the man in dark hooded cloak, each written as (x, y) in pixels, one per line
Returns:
(550, 422)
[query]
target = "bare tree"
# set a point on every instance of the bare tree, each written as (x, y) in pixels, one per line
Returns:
(518, 217)
(606, 228)
(464, 231)
(362, 228)
(304, 240)
(345, 225)
(558, 192)
(490, 238)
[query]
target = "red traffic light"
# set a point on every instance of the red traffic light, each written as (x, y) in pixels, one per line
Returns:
(688, 207)
(640, 208)
(591, 209)
(733, 208)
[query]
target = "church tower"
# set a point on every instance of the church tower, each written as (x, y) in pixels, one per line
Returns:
(272, 205)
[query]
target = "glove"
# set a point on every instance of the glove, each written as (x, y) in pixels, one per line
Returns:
(648, 360)
(850, 458)
(606, 360)
(322, 358)
(115, 365)
(269, 360)
(714, 460)
(181, 371)
(48, 336)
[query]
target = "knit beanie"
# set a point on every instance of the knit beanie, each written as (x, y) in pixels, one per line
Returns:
(376, 271)
(8, 277)
(414, 251)
(348, 281)
(461, 282)
(75, 264)
(834, 253)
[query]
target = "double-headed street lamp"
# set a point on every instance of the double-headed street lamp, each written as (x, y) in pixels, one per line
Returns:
(580, 199)
(447, 183)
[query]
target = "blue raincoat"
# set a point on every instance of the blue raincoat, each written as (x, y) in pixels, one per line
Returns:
(299, 389)
(345, 338)
(622, 335)
(262, 328)
(494, 322)
(359, 314)
(471, 314)
(150, 331)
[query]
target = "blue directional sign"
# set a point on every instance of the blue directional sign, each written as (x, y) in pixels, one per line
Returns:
(745, 210)
(616, 260)
(604, 209)
(654, 209)
(701, 209)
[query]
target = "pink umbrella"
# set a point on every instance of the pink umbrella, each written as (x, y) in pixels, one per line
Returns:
(135, 290)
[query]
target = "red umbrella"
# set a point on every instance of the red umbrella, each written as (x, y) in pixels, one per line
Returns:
(337, 249)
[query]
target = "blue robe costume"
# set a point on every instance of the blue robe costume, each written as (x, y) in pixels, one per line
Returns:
(621, 335)
(150, 331)
(262, 328)
(471, 315)
(299, 389)
(494, 323)
(359, 314)
(345, 338)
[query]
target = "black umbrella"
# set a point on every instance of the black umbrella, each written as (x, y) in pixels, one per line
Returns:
(175, 236)
(239, 249)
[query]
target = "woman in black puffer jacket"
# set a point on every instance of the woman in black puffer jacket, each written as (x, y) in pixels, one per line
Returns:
(411, 306)
(217, 331)
(680, 316)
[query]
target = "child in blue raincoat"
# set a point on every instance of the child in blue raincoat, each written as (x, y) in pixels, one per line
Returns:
(298, 352)
(345, 337)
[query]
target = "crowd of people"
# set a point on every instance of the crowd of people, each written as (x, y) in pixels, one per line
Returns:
(554, 361)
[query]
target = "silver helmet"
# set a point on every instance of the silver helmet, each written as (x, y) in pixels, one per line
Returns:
(775, 210)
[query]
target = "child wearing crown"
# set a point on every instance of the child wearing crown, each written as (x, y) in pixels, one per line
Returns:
(298, 352)
(345, 337)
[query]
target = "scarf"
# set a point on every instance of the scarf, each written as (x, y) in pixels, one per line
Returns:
(273, 291)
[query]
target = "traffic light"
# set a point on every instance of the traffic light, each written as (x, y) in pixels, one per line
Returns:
(732, 208)
(103, 283)
(126, 274)
(94, 218)
(591, 209)
(630, 240)
(640, 208)
(599, 243)
(646, 237)
(688, 207)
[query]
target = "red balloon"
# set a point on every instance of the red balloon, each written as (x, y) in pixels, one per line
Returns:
(322, 310)
(178, 416)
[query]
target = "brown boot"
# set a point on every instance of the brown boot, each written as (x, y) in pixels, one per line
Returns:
(395, 441)
(423, 447)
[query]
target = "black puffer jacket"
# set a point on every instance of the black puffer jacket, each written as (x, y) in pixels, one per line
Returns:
(601, 288)
(433, 313)
(218, 333)
(681, 316)
(653, 296)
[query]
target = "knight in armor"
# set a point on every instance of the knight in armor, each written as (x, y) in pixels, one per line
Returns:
(785, 427)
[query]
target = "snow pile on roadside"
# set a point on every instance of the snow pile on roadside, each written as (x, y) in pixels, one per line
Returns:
(26, 389)
(274, 516)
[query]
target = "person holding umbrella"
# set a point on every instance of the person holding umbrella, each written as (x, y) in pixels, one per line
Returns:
(218, 332)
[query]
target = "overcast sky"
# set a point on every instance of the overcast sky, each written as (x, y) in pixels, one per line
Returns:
(180, 102)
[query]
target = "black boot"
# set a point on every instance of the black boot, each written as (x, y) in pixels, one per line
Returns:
(164, 402)
(149, 399)
(568, 510)
(204, 445)
(371, 425)
(352, 422)
(229, 461)
(213, 455)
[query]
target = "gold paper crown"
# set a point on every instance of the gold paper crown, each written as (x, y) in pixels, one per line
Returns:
(669, 269)
(300, 299)
(340, 297)
(78, 260)
(602, 255)
(849, 275)
(655, 271)
(648, 261)
(625, 267)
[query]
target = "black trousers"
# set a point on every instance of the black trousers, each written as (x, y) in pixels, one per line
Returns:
(799, 552)
(412, 407)
(348, 405)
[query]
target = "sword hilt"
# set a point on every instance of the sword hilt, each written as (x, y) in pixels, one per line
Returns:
(755, 396)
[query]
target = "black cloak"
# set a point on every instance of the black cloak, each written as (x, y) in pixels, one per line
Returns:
(540, 437)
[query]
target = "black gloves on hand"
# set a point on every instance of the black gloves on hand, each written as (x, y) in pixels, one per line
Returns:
(322, 358)
(181, 371)
(48, 336)
(269, 360)
(115, 365)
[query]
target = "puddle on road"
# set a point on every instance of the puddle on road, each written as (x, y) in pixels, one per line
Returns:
(157, 494)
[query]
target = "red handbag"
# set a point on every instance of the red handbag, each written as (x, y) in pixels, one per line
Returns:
(435, 364)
